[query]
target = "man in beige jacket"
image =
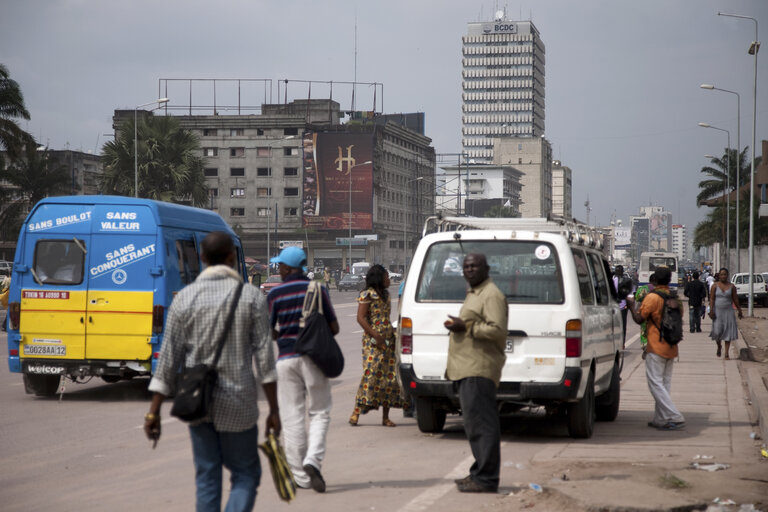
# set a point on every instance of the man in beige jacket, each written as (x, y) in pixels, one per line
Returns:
(475, 360)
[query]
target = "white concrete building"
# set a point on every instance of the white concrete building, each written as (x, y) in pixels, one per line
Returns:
(502, 84)
(680, 242)
(532, 156)
(476, 188)
(562, 190)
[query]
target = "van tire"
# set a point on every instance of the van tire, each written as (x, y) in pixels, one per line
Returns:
(41, 385)
(429, 417)
(581, 415)
(607, 404)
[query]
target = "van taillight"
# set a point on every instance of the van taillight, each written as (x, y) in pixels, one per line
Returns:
(573, 338)
(157, 319)
(14, 312)
(406, 336)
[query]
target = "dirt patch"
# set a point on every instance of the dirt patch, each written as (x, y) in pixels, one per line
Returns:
(754, 330)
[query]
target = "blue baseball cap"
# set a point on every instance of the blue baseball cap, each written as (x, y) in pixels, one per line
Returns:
(291, 256)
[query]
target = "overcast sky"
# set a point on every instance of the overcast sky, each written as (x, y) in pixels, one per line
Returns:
(622, 77)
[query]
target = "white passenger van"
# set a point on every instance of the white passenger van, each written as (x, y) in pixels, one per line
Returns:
(650, 261)
(564, 337)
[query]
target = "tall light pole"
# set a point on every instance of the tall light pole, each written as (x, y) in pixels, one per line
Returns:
(727, 197)
(136, 142)
(269, 211)
(405, 214)
(349, 220)
(753, 49)
(738, 165)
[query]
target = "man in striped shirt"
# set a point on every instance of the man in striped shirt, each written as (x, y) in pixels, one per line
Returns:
(303, 389)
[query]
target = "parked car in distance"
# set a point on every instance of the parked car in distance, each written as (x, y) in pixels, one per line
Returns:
(759, 288)
(5, 268)
(270, 283)
(395, 277)
(351, 282)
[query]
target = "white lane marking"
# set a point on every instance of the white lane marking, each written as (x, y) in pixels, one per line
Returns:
(162, 422)
(358, 332)
(633, 339)
(428, 498)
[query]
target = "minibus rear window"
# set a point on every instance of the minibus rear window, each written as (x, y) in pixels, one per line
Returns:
(525, 272)
(189, 266)
(656, 262)
(59, 261)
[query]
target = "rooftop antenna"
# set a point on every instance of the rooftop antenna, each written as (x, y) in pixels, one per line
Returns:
(354, 84)
(589, 209)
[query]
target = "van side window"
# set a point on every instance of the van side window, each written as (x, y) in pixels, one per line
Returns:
(189, 266)
(585, 281)
(59, 261)
(601, 283)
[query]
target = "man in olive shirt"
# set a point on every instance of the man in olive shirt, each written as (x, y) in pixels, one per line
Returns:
(475, 360)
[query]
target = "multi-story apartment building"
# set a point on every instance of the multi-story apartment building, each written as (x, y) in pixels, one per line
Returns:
(502, 84)
(562, 190)
(680, 242)
(295, 175)
(533, 157)
(472, 189)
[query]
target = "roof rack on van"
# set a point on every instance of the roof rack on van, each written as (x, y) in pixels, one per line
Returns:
(576, 231)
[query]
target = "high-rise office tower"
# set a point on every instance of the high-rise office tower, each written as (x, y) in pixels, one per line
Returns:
(502, 85)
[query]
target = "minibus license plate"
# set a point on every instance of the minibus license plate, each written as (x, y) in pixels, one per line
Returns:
(45, 350)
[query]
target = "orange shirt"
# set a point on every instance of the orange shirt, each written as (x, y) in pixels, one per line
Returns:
(650, 310)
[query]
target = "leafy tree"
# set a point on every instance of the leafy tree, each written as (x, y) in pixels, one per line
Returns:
(500, 211)
(168, 168)
(31, 177)
(12, 137)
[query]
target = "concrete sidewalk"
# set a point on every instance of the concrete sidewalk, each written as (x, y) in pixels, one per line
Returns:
(711, 394)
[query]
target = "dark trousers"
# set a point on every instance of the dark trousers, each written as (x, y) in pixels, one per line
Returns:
(694, 318)
(477, 396)
(624, 326)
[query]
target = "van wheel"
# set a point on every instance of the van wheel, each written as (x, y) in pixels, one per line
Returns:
(430, 418)
(41, 385)
(581, 415)
(607, 405)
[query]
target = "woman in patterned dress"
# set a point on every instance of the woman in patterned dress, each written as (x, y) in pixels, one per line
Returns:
(378, 386)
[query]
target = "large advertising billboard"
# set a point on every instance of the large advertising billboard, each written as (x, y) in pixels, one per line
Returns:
(336, 164)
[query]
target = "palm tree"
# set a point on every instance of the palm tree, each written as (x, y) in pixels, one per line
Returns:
(168, 168)
(12, 137)
(31, 177)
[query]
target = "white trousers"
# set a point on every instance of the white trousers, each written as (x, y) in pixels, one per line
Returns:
(303, 390)
(658, 373)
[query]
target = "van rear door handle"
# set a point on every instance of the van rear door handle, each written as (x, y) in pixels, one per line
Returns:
(82, 320)
(90, 319)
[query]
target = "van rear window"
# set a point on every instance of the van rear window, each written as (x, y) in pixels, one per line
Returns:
(59, 261)
(525, 272)
(658, 262)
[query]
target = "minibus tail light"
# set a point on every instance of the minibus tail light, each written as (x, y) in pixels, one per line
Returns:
(158, 312)
(14, 312)
(573, 338)
(406, 335)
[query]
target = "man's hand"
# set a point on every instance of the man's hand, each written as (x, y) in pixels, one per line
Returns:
(152, 427)
(273, 423)
(455, 324)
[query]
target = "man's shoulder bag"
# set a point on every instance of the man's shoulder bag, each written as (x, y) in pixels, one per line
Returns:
(194, 388)
(315, 337)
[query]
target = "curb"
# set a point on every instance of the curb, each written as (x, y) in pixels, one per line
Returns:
(758, 398)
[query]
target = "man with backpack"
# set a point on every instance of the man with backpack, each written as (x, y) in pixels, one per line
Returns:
(661, 309)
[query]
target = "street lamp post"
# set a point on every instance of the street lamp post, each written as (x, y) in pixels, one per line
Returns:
(753, 49)
(269, 211)
(727, 197)
(136, 142)
(738, 166)
(349, 220)
(405, 239)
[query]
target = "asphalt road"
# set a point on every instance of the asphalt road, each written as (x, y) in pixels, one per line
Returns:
(87, 451)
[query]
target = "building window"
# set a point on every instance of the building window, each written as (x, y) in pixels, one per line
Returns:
(262, 212)
(291, 131)
(237, 152)
(237, 212)
(290, 151)
(213, 192)
(259, 131)
(519, 160)
(237, 192)
(264, 171)
(290, 192)
(210, 172)
(210, 151)
(237, 171)
(210, 132)
(291, 171)
(263, 192)
(236, 132)
(263, 151)
(290, 212)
